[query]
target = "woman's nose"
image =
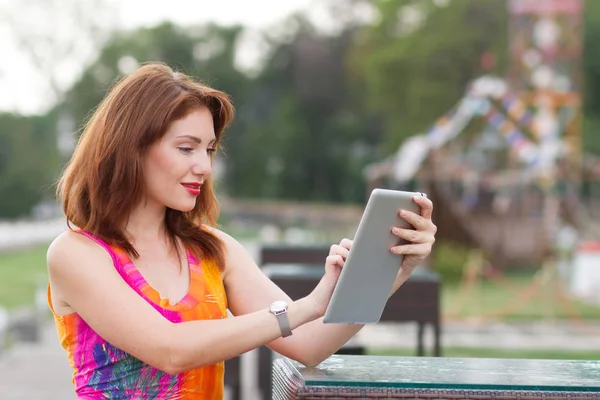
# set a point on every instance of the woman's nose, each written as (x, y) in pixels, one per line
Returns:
(203, 165)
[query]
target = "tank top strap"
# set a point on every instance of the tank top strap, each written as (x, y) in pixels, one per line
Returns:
(116, 260)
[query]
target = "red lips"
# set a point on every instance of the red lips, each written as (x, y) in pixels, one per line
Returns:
(192, 187)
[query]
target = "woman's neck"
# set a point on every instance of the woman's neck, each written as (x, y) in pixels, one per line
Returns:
(146, 224)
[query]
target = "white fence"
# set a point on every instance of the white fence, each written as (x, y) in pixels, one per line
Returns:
(26, 233)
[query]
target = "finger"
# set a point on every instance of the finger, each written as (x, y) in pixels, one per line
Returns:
(412, 235)
(346, 243)
(415, 220)
(420, 250)
(426, 205)
(336, 249)
(334, 259)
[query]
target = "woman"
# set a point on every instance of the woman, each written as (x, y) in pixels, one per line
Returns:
(141, 283)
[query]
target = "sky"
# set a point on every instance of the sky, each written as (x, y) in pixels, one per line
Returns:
(24, 90)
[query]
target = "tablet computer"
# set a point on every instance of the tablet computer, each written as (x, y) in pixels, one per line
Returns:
(366, 280)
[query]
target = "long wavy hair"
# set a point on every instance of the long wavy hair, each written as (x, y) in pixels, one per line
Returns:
(104, 179)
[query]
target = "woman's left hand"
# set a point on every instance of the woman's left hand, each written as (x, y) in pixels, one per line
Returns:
(420, 239)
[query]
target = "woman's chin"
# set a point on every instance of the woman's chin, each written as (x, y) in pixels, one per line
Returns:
(183, 207)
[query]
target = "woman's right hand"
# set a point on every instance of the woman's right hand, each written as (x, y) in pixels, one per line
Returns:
(334, 263)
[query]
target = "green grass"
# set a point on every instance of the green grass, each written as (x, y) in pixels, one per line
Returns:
(515, 297)
(21, 273)
(470, 352)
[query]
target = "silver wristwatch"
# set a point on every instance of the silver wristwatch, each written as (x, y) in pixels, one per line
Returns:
(279, 309)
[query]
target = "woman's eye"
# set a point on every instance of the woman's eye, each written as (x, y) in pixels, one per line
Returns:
(211, 151)
(185, 150)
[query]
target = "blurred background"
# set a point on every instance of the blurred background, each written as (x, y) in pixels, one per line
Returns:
(491, 107)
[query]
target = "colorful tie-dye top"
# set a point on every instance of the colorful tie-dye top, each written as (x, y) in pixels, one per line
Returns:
(102, 371)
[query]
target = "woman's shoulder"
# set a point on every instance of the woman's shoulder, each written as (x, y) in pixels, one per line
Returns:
(232, 246)
(70, 247)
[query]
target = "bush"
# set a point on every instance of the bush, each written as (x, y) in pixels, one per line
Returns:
(449, 260)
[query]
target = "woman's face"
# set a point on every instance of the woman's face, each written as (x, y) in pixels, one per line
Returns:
(176, 166)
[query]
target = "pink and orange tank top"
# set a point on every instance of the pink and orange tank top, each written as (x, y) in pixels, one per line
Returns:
(102, 371)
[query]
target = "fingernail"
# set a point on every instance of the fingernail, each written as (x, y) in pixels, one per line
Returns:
(395, 230)
(392, 250)
(402, 212)
(417, 197)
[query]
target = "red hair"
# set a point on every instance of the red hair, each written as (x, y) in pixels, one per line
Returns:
(104, 179)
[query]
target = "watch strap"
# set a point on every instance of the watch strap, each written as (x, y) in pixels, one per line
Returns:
(284, 324)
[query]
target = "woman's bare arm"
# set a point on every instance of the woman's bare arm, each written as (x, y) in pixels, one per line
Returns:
(84, 275)
(248, 289)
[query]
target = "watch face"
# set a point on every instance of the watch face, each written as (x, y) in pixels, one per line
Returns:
(278, 306)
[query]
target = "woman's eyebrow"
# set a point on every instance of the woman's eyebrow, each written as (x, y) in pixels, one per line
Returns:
(191, 137)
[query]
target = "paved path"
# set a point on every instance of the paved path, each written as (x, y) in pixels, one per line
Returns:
(525, 335)
(36, 371)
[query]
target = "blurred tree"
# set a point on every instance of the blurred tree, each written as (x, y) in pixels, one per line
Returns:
(324, 103)
(57, 37)
(417, 59)
(308, 136)
(27, 163)
(205, 52)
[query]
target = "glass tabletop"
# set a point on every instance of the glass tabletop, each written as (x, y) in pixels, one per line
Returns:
(451, 373)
